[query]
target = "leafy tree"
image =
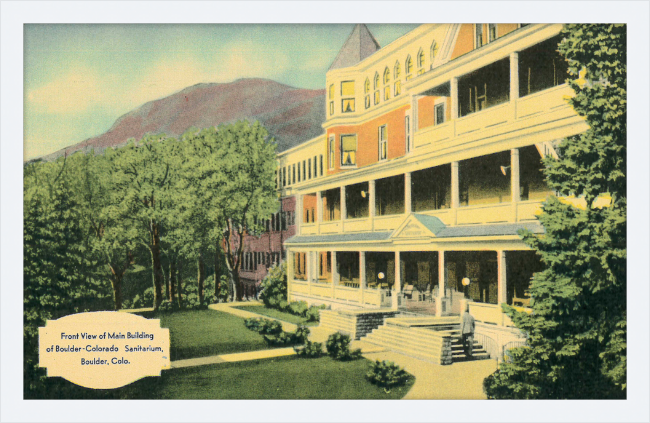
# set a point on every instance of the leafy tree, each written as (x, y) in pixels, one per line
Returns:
(576, 345)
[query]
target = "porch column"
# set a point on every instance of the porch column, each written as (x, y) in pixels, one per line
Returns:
(454, 97)
(441, 284)
(455, 191)
(335, 274)
(344, 210)
(514, 175)
(319, 206)
(362, 274)
(309, 269)
(407, 193)
(502, 292)
(397, 287)
(290, 272)
(371, 203)
(298, 208)
(514, 82)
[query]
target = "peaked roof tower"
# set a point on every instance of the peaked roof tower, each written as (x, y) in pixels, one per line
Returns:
(359, 45)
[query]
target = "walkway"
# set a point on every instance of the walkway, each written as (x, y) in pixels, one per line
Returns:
(229, 358)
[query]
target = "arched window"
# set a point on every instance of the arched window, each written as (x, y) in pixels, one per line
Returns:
(386, 84)
(376, 88)
(408, 67)
(420, 62)
(366, 92)
(398, 83)
(433, 51)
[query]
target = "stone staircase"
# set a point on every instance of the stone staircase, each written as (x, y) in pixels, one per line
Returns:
(356, 323)
(436, 340)
(333, 320)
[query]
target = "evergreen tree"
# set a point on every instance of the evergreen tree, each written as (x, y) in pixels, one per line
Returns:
(576, 346)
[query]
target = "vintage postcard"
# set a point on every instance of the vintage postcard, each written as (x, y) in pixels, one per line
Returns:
(432, 211)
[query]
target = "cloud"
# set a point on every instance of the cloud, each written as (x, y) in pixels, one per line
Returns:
(76, 91)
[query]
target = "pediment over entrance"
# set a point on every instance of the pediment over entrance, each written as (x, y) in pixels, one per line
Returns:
(418, 226)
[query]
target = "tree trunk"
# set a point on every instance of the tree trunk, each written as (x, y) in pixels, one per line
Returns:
(167, 283)
(238, 285)
(116, 282)
(179, 285)
(172, 279)
(217, 271)
(201, 277)
(232, 285)
(157, 268)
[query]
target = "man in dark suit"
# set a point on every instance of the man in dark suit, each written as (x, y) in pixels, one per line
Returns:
(467, 332)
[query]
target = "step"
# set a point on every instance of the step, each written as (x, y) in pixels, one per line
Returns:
(427, 348)
(421, 334)
(405, 339)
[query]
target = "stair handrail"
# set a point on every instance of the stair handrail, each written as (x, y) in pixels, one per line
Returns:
(510, 345)
(490, 345)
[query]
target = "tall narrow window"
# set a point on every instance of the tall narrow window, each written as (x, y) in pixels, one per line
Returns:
(315, 167)
(386, 84)
(383, 143)
(321, 164)
(304, 170)
(284, 176)
(478, 33)
(420, 62)
(439, 113)
(408, 67)
(294, 173)
(407, 132)
(331, 99)
(376, 88)
(309, 168)
(348, 150)
(299, 172)
(433, 52)
(331, 152)
(492, 31)
(347, 94)
(398, 82)
(366, 92)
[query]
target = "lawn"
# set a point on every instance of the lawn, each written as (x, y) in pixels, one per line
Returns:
(201, 333)
(280, 378)
(277, 314)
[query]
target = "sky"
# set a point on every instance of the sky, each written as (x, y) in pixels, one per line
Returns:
(78, 79)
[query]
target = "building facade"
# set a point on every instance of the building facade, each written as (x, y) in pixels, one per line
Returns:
(429, 167)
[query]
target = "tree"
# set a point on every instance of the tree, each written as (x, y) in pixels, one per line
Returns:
(143, 173)
(576, 333)
(246, 189)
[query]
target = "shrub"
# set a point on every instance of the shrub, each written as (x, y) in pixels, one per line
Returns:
(263, 326)
(167, 306)
(386, 374)
(313, 314)
(274, 287)
(310, 350)
(338, 347)
(299, 308)
(302, 334)
(283, 305)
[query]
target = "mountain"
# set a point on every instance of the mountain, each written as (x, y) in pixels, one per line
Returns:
(291, 115)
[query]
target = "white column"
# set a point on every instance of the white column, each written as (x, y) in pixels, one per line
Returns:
(407, 192)
(319, 206)
(454, 97)
(514, 175)
(290, 272)
(335, 273)
(455, 191)
(344, 210)
(371, 203)
(298, 211)
(362, 273)
(397, 287)
(502, 293)
(440, 299)
(514, 81)
(309, 269)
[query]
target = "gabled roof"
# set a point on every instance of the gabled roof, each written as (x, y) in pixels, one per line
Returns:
(359, 45)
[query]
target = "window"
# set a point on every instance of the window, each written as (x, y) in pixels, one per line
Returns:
(331, 98)
(478, 35)
(331, 152)
(492, 32)
(433, 52)
(439, 113)
(321, 164)
(376, 88)
(331, 108)
(383, 143)
(366, 92)
(420, 62)
(315, 167)
(347, 105)
(298, 172)
(294, 173)
(398, 83)
(407, 131)
(348, 150)
(386, 84)
(309, 169)
(408, 67)
(284, 176)
(347, 90)
(304, 170)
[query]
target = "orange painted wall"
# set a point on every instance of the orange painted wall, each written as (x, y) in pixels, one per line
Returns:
(367, 138)
(503, 29)
(465, 41)
(425, 111)
(308, 203)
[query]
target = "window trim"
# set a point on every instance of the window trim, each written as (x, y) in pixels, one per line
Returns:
(381, 142)
(407, 132)
(354, 106)
(331, 151)
(476, 25)
(496, 33)
(440, 102)
(348, 166)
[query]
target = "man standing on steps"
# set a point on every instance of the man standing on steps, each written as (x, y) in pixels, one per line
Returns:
(467, 332)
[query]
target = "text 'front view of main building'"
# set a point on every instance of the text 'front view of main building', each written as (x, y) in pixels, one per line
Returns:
(407, 209)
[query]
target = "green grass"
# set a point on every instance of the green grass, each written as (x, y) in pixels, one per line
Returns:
(201, 333)
(277, 314)
(280, 378)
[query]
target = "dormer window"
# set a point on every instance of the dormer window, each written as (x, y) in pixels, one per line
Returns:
(433, 52)
(408, 67)
(420, 62)
(386, 84)
(398, 82)
(376, 88)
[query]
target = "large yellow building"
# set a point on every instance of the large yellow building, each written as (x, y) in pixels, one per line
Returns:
(408, 207)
